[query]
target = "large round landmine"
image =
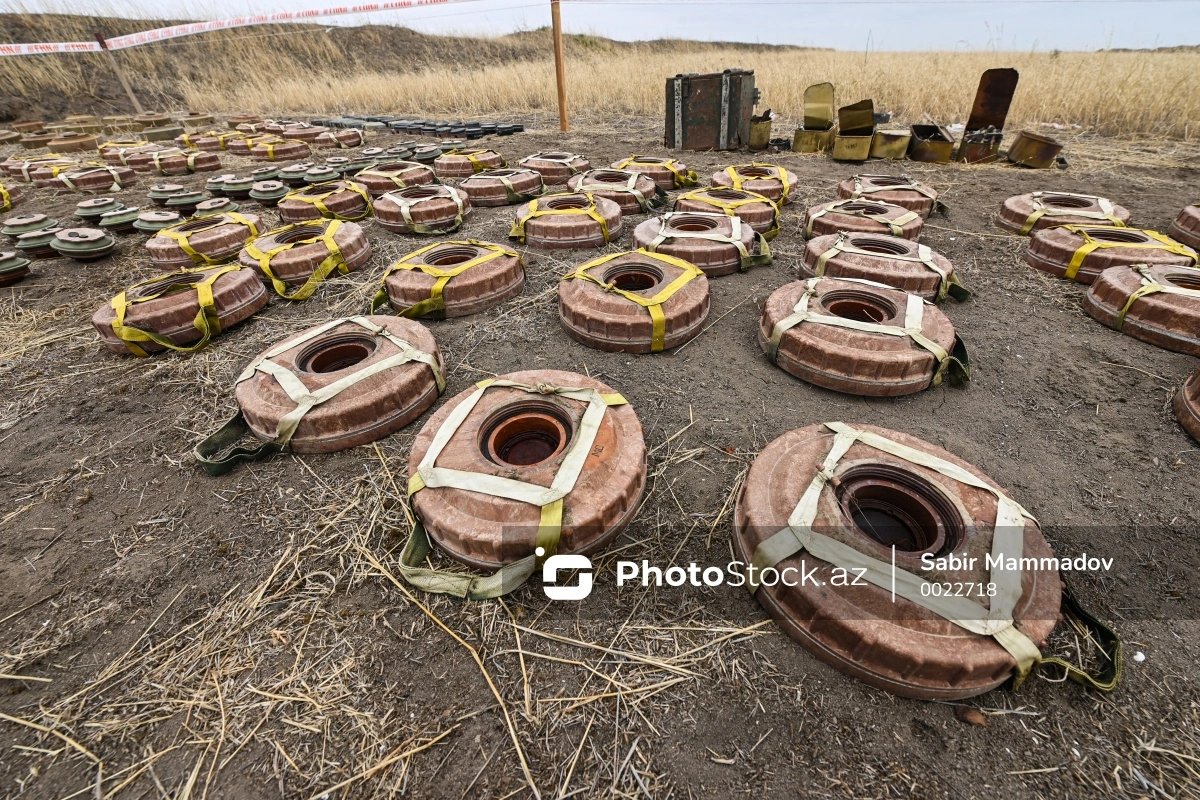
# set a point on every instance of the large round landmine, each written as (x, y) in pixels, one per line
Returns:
(897, 190)
(215, 240)
(502, 187)
(772, 181)
(889, 260)
(168, 306)
(555, 168)
(498, 276)
(1026, 213)
(885, 507)
(336, 199)
(634, 192)
(1082, 252)
(667, 173)
(423, 209)
(575, 220)
(1186, 403)
(95, 179)
(862, 216)
(862, 362)
(294, 265)
(525, 436)
(362, 412)
(602, 316)
(391, 175)
(1159, 305)
(704, 239)
(463, 163)
(756, 210)
(1186, 227)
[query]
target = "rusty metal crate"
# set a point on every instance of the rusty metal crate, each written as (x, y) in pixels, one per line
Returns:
(710, 112)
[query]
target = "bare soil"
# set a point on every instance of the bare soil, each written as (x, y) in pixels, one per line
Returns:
(242, 636)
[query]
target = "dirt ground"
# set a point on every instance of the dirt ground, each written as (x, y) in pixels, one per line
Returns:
(168, 634)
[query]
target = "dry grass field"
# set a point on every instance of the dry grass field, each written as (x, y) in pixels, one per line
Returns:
(314, 70)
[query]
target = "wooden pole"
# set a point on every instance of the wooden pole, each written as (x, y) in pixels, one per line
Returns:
(560, 67)
(120, 74)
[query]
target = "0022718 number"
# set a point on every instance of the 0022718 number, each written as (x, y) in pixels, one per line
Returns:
(958, 589)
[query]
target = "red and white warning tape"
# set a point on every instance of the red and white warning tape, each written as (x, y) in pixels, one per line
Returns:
(177, 31)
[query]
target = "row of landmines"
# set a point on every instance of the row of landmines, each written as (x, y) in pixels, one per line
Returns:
(565, 454)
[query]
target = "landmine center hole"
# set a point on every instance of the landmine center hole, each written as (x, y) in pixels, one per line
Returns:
(883, 246)
(451, 256)
(691, 223)
(419, 192)
(567, 202)
(1066, 202)
(894, 507)
(526, 434)
(1118, 235)
(888, 181)
(755, 172)
(611, 177)
(336, 353)
(634, 277)
(865, 208)
(557, 156)
(727, 194)
(296, 234)
(858, 306)
(1184, 281)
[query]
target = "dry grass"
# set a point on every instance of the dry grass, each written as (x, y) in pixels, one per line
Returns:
(307, 69)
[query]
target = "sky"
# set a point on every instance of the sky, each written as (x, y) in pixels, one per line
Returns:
(843, 24)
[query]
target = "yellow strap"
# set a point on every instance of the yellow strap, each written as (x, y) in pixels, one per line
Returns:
(335, 259)
(478, 166)
(436, 301)
(912, 186)
(1091, 245)
(680, 178)
(183, 239)
(207, 321)
(781, 176)
(654, 304)
(318, 200)
(5, 199)
(518, 228)
(948, 282)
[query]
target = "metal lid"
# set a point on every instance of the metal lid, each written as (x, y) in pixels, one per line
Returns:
(818, 107)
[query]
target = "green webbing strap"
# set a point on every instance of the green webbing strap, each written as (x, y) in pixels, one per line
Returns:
(334, 187)
(436, 302)
(895, 226)
(208, 450)
(645, 204)
(948, 285)
(1040, 209)
(955, 366)
(653, 305)
(746, 259)
(425, 228)
(335, 259)
(548, 498)
(1090, 245)
(680, 177)
(207, 321)
(183, 239)
(1007, 543)
(1149, 285)
(518, 228)
(730, 207)
(780, 175)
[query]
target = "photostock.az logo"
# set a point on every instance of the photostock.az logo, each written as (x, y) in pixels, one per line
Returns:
(554, 564)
